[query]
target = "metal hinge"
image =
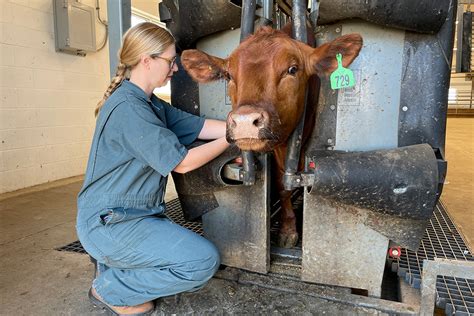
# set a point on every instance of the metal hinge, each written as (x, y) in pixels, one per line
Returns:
(293, 181)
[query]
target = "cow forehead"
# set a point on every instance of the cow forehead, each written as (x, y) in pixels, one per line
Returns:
(265, 52)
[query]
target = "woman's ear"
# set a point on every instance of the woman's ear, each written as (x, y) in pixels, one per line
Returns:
(145, 60)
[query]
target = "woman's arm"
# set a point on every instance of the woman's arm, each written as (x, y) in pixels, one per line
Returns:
(199, 156)
(212, 129)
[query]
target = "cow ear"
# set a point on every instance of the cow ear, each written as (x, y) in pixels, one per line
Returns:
(203, 67)
(323, 58)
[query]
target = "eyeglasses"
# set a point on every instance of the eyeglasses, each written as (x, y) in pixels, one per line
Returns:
(171, 61)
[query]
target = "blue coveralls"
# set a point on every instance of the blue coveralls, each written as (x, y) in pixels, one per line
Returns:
(138, 141)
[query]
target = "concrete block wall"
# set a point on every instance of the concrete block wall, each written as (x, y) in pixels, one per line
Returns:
(47, 99)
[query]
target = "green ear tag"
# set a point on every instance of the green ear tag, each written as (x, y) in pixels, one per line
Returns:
(341, 77)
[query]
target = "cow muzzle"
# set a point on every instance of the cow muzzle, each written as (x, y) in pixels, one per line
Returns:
(247, 122)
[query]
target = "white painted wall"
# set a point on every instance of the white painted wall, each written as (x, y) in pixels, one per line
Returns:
(47, 99)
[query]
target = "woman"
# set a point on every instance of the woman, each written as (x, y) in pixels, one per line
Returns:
(139, 139)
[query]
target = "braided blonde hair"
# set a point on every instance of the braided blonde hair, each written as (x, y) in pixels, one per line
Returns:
(143, 39)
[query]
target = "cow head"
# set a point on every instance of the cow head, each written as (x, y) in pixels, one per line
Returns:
(267, 75)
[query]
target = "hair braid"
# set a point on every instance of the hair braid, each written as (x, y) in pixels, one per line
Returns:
(119, 77)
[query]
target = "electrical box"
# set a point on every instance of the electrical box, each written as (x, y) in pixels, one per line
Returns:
(74, 27)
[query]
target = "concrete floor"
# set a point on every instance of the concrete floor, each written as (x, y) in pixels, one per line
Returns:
(35, 279)
(458, 192)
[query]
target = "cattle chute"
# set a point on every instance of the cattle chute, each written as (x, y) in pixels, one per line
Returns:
(387, 121)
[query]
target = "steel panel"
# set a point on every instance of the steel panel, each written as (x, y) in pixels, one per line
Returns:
(367, 115)
(213, 97)
(339, 249)
(240, 225)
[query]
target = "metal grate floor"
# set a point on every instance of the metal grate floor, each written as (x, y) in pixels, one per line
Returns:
(441, 240)
(174, 213)
(75, 246)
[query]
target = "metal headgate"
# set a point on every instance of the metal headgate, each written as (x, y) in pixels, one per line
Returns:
(389, 132)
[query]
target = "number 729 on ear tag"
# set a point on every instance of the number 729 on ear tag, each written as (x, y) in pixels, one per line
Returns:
(341, 77)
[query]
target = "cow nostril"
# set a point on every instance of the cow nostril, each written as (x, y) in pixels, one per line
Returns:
(262, 120)
(231, 122)
(259, 122)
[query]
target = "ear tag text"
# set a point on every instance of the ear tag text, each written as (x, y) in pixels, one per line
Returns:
(341, 77)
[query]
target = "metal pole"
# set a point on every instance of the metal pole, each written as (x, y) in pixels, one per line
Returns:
(246, 28)
(459, 43)
(248, 18)
(299, 32)
(119, 15)
(268, 10)
(313, 16)
(298, 15)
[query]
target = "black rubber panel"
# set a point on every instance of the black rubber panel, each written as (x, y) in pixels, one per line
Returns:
(426, 16)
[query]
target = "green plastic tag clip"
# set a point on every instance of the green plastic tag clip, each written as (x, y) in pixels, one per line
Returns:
(341, 77)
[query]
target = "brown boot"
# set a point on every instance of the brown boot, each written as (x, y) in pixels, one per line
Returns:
(138, 310)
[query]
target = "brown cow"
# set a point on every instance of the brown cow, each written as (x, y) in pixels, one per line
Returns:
(267, 75)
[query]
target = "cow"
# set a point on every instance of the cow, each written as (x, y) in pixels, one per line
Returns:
(267, 76)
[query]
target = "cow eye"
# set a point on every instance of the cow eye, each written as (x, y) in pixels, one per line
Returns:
(293, 70)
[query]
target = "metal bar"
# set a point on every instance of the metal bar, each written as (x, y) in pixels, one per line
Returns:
(459, 43)
(298, 16)
(278, 14)
(299, 33)
(248, 18)
(248, 164)
(119, 15)
(284, 7)
(444, 267)
(268, 10)
(246, 28)
(466, 38)
(313, 16)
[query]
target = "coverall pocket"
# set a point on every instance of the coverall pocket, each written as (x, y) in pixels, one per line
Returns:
(113, 215)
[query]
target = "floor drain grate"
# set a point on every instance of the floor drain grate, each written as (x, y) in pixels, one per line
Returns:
(174, 212)
(73, 247)
(441, 240)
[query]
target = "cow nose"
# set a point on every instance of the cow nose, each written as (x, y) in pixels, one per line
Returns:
(257, 120)
(247, 124)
